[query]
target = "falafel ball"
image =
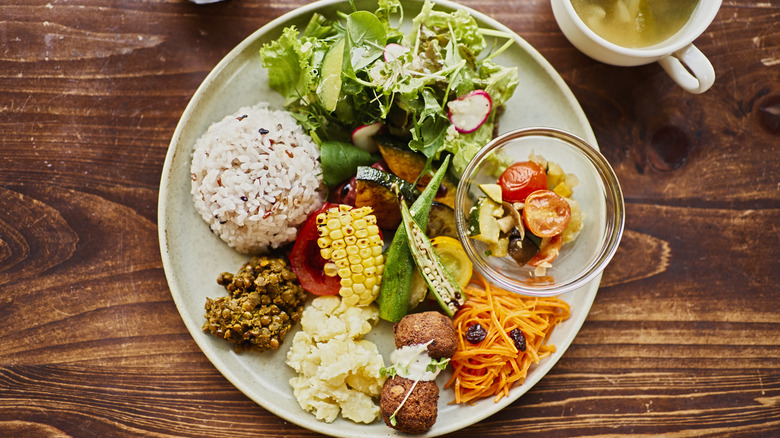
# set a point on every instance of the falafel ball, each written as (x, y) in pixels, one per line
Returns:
(418, 413)
(419, 328)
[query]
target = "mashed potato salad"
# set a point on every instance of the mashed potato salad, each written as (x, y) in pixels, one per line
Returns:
(338, 370)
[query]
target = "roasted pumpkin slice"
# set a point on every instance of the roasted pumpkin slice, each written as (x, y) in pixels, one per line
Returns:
(408, 165)
(374, 189)
(401, 160)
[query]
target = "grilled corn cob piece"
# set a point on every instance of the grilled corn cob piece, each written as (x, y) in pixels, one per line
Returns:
(350, 241)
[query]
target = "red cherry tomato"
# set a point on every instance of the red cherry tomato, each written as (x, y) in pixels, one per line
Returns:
(549, 252)
(306, 261)
(521, 179)
(545, 213)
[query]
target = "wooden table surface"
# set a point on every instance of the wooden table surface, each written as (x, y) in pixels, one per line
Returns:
(683, 338)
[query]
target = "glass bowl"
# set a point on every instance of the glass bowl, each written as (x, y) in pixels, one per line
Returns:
(598, 194)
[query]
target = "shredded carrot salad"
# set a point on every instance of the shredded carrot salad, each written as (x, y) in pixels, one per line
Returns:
(493, 366)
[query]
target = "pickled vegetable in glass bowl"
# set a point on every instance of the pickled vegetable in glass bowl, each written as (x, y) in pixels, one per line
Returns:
(575, 173)
(528, 214)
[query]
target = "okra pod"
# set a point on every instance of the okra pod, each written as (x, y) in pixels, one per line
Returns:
(399, 264)
(446, 290)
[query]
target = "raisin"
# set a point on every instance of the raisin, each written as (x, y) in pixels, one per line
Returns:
(475, 333)
(519, 339)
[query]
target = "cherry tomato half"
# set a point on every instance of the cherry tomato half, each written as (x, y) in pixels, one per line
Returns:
(306, 261)
(548, 252)
(520, 180)
(545, 213)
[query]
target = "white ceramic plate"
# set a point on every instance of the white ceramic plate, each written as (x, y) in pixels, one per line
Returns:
(193, 257)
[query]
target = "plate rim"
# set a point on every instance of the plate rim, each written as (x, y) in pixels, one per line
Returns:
(162, 218)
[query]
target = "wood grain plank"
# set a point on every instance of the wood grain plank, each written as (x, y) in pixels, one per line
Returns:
(194, 403)
(681, 341)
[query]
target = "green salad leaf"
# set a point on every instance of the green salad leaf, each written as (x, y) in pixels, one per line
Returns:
(336, 76)
(340, 161)
(367, 39)
(290, 70)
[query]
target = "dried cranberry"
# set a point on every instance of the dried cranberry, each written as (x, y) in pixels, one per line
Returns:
(519, 338)
(475, 333)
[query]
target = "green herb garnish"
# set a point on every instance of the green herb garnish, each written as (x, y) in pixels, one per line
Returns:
(435, 365)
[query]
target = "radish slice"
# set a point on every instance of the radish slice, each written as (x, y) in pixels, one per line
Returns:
(467, 113)
(362, 136)
(394, 51)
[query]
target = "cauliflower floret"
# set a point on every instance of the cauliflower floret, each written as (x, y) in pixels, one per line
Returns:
(315, 397)
(331, 318)
(338, 371)
(360, 320)
(359, 407)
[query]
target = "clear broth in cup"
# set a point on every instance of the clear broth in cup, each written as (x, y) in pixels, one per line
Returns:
(634, 23)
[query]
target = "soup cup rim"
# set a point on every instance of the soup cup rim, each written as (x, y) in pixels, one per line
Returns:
(657, 50)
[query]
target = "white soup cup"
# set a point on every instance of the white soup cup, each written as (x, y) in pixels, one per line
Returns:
(686, 64)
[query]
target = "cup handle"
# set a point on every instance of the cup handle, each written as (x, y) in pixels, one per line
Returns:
(699, 74)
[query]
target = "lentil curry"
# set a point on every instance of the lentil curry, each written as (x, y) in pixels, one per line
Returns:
(265, 301)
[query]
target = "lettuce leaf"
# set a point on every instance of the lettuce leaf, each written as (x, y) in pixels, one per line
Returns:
(464, 26)
(289, 63)
(409, 92)
(498, 81)
(340, 161)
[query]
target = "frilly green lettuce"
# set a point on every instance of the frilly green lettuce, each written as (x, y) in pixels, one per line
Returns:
(409, 94)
